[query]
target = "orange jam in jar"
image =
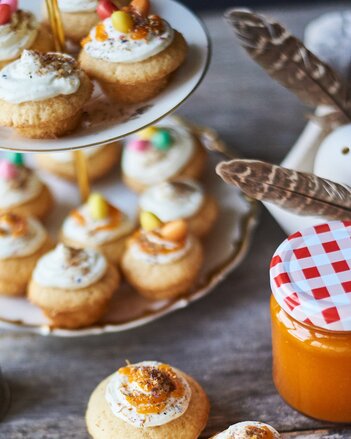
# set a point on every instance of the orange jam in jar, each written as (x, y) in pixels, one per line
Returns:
(311, 321)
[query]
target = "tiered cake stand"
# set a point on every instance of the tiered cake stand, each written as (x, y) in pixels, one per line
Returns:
(104, 123)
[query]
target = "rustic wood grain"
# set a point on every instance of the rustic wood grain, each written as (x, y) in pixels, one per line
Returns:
(224, 340)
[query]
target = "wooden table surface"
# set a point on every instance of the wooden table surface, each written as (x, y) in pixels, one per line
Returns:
(223, 340)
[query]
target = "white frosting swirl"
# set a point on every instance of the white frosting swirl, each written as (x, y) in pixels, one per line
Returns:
(119, 386)
(77, 5)
(17, 35)
(153, 166)
(95, 232)
(170, 201)
(173, 252)
(28, 79)
(121, 48)
(68, 268)
(13, 246)
(25, 186)
(242, 431)
(68, 156)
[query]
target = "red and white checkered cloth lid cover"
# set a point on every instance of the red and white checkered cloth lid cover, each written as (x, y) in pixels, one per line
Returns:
(311, 275)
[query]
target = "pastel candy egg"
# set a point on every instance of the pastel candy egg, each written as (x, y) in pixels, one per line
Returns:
(139, 145)
(162, 140)
(12, 3)
(149, 221)
(175, 230)
(147, 133)
(5, 14)
(16, 158)
(98, 206)
(122, 21)
(8, 170)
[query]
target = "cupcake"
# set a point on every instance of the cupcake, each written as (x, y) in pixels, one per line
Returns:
(132, 54)
(21, 191)
(249, 430)
(19, 30)
(99, 225)
(78, 17)
(181, 198)
(147, 400)
(162, 261)
(22, 242)
(73, 287)
(42, 95)
(162, 153)
(100, 161)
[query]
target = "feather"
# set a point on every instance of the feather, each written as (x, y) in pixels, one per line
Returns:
(302, 193)
(288, 61)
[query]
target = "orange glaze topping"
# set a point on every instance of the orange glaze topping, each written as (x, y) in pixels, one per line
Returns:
(154, 248)
(114, 216)
(14, 225)
(100, 33)
(85, 40)
(160, 383)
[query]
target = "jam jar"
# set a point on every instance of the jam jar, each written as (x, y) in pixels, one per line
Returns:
(311, 321)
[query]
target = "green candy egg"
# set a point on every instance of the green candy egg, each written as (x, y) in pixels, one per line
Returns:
(162, 140)
(16, 158)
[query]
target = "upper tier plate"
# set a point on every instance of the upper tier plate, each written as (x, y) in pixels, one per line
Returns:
(121, 122)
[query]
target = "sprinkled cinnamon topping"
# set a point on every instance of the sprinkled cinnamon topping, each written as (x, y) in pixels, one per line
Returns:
(74, 257)
(22, 19)
(63, 65)
(254, 432)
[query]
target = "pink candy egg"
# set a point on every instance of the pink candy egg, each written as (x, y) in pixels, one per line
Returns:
(7, 170)
(12, 3)
(139, 145)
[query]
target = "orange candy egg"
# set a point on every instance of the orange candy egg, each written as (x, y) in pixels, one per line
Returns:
(141, 6)
(175, 230)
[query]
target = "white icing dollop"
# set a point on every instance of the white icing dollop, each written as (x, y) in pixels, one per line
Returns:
(333, 159)
(152, 166)
(20, 245)
(172, 200)
(25, 186)
(17, 35)
(121, 48)
(68, 156)
(173, 252)
(93, 232)
(72, 6)
(68, 268)
(242, 431)
(30, 79)
(119, 386)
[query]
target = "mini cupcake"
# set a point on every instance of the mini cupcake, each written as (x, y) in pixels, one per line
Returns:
(132, 54)
(162, 261)
(22, 242)
(181, 199)
(99, 225)
(73, 287)
(100, 161)
(249, 430)
(19, 30)
(42, 95)
(21, 191)
(162, 153)
(147, 400)
(78, 17)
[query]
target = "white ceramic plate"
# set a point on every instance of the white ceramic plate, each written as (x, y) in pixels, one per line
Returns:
(225, 248)
(119, 122)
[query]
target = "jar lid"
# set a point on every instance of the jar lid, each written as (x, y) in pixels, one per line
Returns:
(311, 275)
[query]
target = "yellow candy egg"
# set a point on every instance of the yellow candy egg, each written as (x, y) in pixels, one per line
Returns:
(149, 221)
(122, 21)
(175, 230)
(98, 206)
(147, 133)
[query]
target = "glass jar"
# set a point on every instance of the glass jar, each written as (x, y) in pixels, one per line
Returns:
(311, 367)
(311, 321)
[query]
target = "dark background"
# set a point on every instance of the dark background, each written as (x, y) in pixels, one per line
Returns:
(222, 4)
